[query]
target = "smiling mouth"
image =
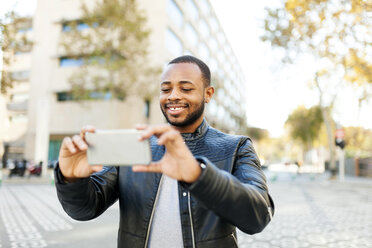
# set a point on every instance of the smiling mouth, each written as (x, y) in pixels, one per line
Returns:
(175, 109)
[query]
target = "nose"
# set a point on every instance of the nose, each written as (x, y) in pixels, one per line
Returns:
(174, 95)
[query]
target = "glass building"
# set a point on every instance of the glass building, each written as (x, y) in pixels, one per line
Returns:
(50, 112)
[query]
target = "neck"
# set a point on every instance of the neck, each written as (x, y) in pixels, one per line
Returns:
(190, 128)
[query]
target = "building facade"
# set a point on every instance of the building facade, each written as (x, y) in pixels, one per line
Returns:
(40, 103)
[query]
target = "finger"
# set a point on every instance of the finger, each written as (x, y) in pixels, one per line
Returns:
(67, 143)
(141, 126)
(79, 142)
(156, 130)
(87, 128)
(96, 168)
(170, 136)
(153, 167)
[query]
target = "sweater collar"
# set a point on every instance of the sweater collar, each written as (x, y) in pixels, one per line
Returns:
(199, 132)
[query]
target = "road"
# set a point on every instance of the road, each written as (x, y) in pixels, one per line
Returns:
(310, 212)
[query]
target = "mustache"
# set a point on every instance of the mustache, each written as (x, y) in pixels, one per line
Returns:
(175, 103)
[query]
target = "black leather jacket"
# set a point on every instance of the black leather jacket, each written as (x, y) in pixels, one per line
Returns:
(231, 192)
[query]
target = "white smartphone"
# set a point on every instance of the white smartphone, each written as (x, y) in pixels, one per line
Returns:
(119, 147)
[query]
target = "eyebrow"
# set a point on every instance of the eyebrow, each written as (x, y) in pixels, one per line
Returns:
(180, 82)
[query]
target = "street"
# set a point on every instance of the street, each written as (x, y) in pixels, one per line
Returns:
(311, 211)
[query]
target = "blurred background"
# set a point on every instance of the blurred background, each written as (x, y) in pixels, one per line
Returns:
(295, 76)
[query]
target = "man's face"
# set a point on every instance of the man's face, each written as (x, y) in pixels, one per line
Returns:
(182, 94)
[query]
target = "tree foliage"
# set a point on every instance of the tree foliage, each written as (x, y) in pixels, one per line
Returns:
(256, 133)
(336, 30)
(337, 34)
(358, 141)
(113, 46)
(13, 40)
(304, 124)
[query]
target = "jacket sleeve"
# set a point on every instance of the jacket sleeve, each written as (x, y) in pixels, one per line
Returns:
(89, 197)
(241, 197)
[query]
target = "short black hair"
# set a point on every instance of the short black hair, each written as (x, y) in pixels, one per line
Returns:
(206, 73)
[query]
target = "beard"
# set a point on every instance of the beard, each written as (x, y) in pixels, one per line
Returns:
(189, 119)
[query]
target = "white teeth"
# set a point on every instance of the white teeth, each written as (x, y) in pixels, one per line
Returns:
(176, 108)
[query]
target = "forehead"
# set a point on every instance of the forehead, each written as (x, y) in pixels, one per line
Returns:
(182, 72)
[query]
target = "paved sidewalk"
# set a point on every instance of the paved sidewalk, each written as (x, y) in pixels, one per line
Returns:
(312, 211)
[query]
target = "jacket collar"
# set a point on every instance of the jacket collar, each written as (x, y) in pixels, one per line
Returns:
(199, 132)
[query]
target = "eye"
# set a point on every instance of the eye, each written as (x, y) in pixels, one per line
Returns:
(165, 90)
(187, 89)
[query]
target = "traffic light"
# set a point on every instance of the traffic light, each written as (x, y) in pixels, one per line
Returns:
(340, 143)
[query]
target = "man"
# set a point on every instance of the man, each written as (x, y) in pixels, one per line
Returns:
(202, 184)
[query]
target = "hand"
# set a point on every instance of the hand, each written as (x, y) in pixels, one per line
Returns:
(177, 162)
(73, 161)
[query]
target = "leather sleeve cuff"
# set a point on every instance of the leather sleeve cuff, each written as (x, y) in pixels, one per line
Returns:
(205, 166)
(60, 179)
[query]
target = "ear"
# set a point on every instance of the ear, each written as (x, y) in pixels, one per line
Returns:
(209, 91)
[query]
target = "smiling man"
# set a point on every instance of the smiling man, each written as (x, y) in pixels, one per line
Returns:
(182, 102)
(201, 185)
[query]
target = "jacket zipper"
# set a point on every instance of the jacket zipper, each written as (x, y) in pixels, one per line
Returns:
(152, 212)
(192, 226)
(236, 241)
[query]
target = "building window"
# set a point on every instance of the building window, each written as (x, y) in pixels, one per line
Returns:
(204, 5)
(213, 44)
(53, 152)
(90, 95)
(221, 74)
(212, 107)
(228, 84)
(64, 96)
(24, 26)
(19, 97)
(191, 34)
(221, 112)
(214, 24)
(204, 51)
(22, 52)
(24, 30)
(221, 57)
(193, 10)
(100, 95)
(213, 65)
(175, 13)
(80, 25)
(173, 43)
(147, 108)
(70, 62)
(18, 118)
(20, 75)
(204, 29)
(221, 38)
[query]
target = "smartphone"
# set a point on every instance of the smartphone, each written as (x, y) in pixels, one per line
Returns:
(119, 147)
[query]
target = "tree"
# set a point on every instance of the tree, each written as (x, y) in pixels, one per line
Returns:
(336, 34)
(305, 125)
(358, 142)
(110, 42)
(256, 133)
(13, 40)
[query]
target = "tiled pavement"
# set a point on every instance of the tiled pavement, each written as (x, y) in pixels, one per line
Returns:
(310, 212)
(314, 212)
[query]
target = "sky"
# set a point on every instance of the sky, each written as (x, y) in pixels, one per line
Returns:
(273, 90)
